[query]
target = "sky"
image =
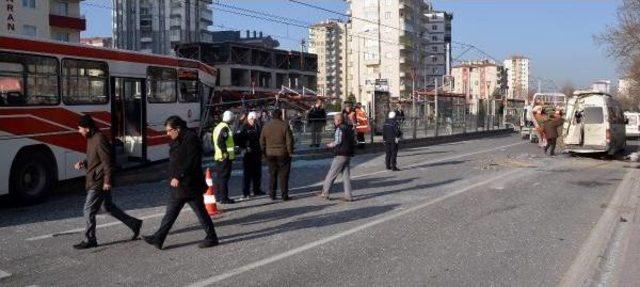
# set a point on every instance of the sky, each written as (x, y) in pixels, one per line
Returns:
(557, 35)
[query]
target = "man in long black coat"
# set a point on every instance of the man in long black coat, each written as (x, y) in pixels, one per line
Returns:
(187, 183)
(391, 135)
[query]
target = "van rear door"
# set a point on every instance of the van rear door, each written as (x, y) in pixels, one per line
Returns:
(595, 129)
(571, 128)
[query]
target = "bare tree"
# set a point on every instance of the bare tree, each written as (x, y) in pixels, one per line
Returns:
(568, 88)
(623, 42)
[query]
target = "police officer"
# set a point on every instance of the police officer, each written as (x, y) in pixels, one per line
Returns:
(224, 155)
(391, 135)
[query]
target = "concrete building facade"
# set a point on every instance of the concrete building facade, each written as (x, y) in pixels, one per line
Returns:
(157, 26)
(480, 80)
(58, 20)
(400, 42)
(518, 77)
(328, 40)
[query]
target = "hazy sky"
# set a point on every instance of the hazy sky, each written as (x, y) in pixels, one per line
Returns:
(556, 35)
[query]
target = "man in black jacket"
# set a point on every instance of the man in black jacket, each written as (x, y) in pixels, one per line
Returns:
(249, 140)
(391, 134)
(344, 143)
(187, 182)
(317, 119)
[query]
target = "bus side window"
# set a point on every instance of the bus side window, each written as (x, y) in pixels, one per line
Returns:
(162, 85)
(28, 80)
(84, 82)
(188, 86)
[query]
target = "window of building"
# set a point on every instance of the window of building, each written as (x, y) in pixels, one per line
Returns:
(387, 15)
(434, 48)
(434, 27)
(434, 38)
(162, 85)
(84, 82)
(61, 8)
(28, 80)
(188, 86)
(61, 36)
(29, 3)
(29, 30)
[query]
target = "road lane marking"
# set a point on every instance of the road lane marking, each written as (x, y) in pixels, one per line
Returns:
(585, 265)
(155, 215)
(314, 244)
(4, 274)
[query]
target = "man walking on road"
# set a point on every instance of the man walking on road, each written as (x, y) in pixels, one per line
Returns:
(224, 155)
(344, 144)
(98, 183)
(249, 140)
(276, 140)
(551, 132)
(317, 118)
(187, 183)
(391, 135)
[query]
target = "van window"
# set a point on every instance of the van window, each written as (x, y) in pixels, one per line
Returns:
(593, 115)
(633, 120)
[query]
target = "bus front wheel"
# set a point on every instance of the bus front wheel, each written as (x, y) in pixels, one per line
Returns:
(32, 177)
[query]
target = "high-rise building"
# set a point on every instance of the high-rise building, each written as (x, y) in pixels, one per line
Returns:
(438, 29)
(480, 80)
(157, 26)
(518, 77)
(327, 39)
(402, 43)
(46, 19)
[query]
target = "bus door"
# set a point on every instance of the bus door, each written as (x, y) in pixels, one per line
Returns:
(129, 120)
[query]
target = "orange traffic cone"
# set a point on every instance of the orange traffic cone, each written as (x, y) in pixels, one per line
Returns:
(209, 196)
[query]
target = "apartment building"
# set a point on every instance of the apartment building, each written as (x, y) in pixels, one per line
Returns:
(328, 40)
(480, 81)
(518, 77)
(46, 19)
(402, 43)
(157, 26)
(438, 29)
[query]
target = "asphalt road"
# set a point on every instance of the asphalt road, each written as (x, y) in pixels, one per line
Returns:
(490, 212)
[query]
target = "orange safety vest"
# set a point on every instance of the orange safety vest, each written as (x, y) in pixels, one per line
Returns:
(362, 122)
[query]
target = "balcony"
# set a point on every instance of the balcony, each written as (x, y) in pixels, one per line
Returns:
(67, 22)
(407, 27)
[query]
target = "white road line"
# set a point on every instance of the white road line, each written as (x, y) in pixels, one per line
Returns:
(4, 274)
(314, 244)
(77, 230)
(585, 265)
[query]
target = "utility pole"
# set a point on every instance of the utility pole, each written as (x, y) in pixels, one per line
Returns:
(413, 104)
(436, 105)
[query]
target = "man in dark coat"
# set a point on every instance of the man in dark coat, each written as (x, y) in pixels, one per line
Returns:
(187, 183)
(99, 169)
(276, 141)
(249, 140)
(317, 119)
(391, 135)
(551, 132)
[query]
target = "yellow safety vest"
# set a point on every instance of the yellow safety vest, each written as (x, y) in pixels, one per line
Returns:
(230, 144)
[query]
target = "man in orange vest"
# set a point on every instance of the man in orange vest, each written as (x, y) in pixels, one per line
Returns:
(362, 125)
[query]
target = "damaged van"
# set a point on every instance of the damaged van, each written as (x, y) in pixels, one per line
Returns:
(594, 123)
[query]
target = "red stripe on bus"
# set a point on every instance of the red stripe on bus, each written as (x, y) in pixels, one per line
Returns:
(73, 142)
(27, 126)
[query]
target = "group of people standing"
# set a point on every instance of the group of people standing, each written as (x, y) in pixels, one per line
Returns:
(548, 120)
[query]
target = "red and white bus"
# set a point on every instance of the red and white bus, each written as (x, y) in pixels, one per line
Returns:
(45, 87)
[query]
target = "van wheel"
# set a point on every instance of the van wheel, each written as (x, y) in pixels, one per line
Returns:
(31, 177)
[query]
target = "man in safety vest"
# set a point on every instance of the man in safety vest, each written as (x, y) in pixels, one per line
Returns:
(224, 154)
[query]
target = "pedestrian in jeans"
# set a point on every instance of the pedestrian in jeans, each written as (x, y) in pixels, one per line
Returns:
(276, 141)
(391, 135)
(99, 169)
(551, 132)
(344, 144)
(187, 183)
(317, 118)
(249, 140)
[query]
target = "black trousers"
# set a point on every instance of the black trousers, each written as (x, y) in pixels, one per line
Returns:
(252, 173)
(551, 146)
(223, 172)
(99, 199)
(360, 138)
(174, 206)
(279, 168)
(391, 158)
